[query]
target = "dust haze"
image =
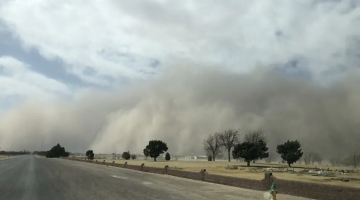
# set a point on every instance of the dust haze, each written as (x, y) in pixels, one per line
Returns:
(182, 107)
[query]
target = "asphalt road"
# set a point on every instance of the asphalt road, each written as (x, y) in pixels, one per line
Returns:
(37, 178)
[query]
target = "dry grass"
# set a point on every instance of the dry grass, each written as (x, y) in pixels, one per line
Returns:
(220, 168)
(3, 157)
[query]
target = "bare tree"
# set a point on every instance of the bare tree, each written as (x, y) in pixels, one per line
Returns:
(334, 161)
(316, 158)
(229, 138)
(220, 153)
(254, 137)
(213, 144)
(313, 160)
(308, 157)
(176, 157)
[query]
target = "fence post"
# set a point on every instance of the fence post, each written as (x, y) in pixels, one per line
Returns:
(142, 167)
(268, 180)
(166, 169)
(202, 174)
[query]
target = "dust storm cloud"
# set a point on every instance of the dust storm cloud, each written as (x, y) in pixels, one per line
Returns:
(182, 107)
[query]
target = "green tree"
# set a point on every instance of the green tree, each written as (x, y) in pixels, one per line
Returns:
(156, 147)
(250, 151)
(254, 137)
(167, 156)
(57, 151)
(146, 153)
(133, 156)
(90, 154)
(51, 154)
(126, 155)
(66, 154)
(290, 151)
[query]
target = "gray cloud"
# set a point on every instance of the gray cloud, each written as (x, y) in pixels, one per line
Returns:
(108, 36)
(182, 107)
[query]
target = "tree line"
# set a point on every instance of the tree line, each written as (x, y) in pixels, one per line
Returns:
(252, 147)
(14, 153)
(154, 149)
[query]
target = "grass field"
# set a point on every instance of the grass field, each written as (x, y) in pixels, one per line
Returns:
(254, 172)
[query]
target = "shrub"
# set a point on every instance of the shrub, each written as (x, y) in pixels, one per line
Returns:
(133, 156)
(167, 156)
(126, 155)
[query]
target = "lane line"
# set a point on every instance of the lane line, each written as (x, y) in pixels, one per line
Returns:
(147, 183)
(115, 176)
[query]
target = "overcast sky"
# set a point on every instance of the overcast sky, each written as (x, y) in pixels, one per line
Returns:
(70, 52)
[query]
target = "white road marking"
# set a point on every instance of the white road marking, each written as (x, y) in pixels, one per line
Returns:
(115, 176)
(147, 183)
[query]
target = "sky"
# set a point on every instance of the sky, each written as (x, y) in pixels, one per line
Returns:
(112, 75)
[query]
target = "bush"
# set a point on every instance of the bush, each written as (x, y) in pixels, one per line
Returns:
(133, 156)
(209, 158)
(167, 156)
(126, 155)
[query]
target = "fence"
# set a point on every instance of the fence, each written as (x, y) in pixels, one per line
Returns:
(296, 188)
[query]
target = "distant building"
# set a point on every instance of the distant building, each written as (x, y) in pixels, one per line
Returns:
(190, 157)
(195, 157)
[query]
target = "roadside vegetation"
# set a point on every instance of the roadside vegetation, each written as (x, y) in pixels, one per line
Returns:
(14, 153)
(90, 154)
(249, 153)
(56, 151)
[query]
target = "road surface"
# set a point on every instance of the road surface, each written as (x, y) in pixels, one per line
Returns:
(32, 177)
